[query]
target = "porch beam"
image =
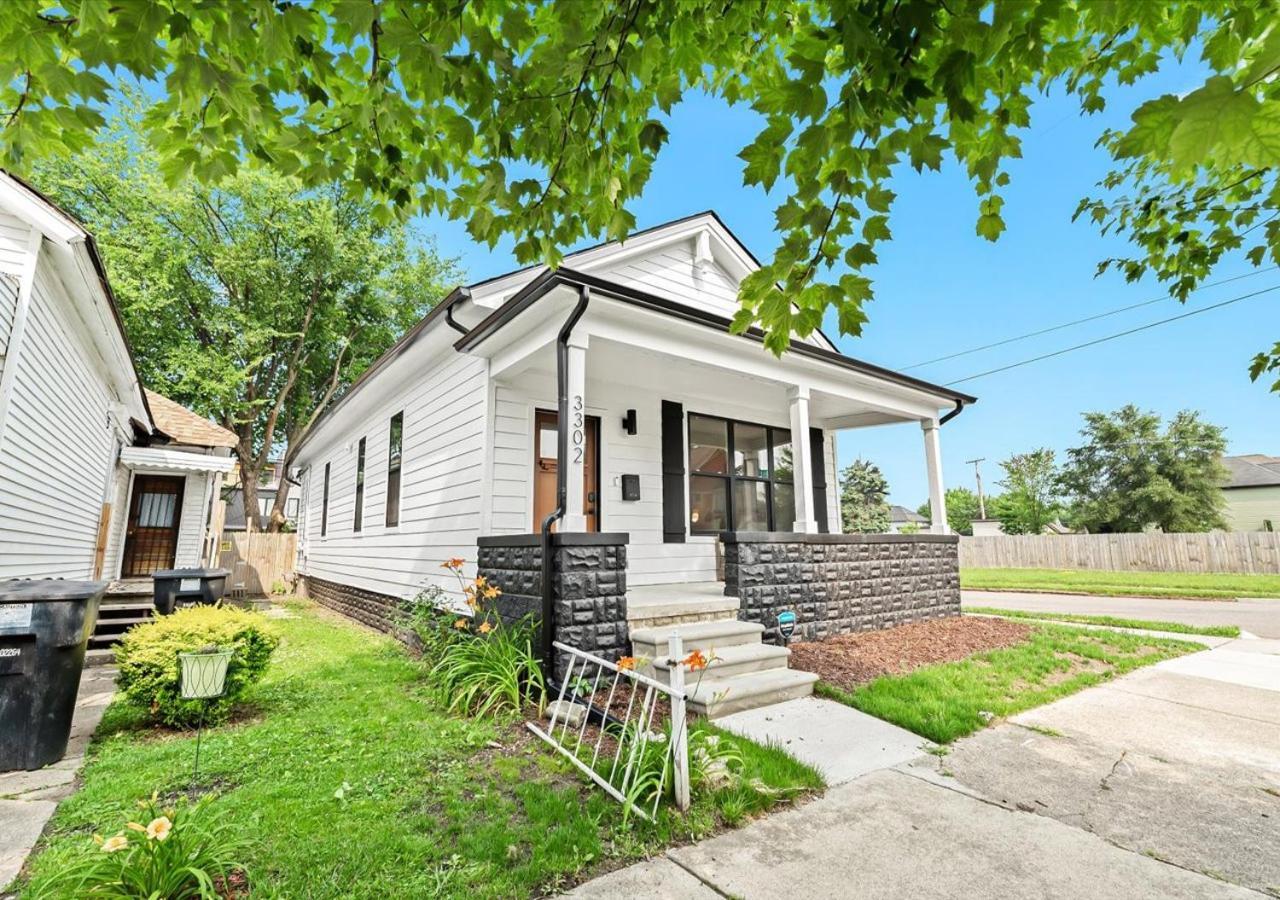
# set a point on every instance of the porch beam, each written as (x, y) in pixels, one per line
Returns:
(933, 462)
(575, 514)
(806, 522)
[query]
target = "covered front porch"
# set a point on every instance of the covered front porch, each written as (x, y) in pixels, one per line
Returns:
(690, 478)
(676, 431)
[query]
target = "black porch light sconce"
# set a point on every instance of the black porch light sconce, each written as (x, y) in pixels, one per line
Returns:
(629, 422)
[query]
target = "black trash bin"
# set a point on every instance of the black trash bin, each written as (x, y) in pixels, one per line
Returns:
(175, 586)
(44, 632)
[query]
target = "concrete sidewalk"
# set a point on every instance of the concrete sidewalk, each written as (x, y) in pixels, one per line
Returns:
(1258, 617)
(28, 799)
(1164, 783)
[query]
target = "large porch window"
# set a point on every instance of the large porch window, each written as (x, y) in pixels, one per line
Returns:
(740, 476)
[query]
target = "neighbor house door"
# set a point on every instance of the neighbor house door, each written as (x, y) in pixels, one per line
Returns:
(151, 534)
(545, 464)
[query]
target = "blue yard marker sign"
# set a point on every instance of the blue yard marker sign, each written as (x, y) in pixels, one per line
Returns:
(786, 624)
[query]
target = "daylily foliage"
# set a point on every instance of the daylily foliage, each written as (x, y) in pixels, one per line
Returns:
(543, 120)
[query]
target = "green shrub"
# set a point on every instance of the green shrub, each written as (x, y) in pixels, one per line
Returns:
(174, 853)
(428, 617)
(150, 674)
(489, 669)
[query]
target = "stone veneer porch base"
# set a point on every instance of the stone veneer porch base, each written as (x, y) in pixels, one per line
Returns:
(840, 583)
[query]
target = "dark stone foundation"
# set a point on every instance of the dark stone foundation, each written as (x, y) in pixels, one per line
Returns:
(589, 586)
(380, 611)
(839, 583)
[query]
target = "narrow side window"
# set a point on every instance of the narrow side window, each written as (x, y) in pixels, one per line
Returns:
(395, 453)
(324, 504)
(359, 519)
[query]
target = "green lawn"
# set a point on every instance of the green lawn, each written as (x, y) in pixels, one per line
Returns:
(348, 781)
(1229, 631)
(948, 701)
(1123, 584)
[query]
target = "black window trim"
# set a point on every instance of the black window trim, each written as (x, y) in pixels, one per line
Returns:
(729, 476)
(324, 504)
(357, 520)
(398, 469)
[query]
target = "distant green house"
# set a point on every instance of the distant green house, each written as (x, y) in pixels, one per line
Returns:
(1252, 491)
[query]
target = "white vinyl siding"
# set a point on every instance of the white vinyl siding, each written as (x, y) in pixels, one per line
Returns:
(440, 486)
(56, 448)
(14, 235)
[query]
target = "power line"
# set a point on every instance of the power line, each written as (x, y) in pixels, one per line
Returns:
(1101, 315)
(1112, 337)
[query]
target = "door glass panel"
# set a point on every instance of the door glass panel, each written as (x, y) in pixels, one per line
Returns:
(750, 451)
(783, 466)
(708, 503)
(547, 438)
(750, 506)
(708, 444)
(784, 507)
(155, 510)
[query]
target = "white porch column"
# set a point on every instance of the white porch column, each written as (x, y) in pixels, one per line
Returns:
(933, 461)
(575, 517)
(806, 522)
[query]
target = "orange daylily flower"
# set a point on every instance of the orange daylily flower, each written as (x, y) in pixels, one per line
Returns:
(454, 563)
(627, 663)
(485, 628)
(695, 661)
(460, 624)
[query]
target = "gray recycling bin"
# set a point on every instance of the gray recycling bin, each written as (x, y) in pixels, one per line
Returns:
(174, 586)
(44, 632)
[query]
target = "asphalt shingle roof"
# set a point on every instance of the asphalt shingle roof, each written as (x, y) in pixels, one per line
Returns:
(1252, 470)
(184, 426)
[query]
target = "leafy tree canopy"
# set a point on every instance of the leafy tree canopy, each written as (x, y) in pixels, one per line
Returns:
(256, 302)
(543, 120)
(1130, 475)
(1030, 501)
(962, 509)
(863, 489)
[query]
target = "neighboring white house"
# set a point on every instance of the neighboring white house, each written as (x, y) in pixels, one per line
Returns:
(98, 478)
(680, 430)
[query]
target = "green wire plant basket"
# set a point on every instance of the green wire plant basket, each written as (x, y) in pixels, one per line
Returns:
(204, 673)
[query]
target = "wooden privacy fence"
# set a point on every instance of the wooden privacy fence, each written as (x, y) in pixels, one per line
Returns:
(257, 561)
(1236, 552)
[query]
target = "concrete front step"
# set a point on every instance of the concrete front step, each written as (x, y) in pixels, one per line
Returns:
(99, 656)
(715, 697)
(733, 660)
(651, 643)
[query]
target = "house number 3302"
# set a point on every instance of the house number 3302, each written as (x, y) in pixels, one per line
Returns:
(579, 435)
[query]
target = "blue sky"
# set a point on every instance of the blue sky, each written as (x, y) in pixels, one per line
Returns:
(940, 289)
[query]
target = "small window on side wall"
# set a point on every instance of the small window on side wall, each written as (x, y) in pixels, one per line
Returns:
(395, 454)
(358, 523)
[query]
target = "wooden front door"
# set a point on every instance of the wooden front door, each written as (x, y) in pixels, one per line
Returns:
(151, 535)
(544, 468)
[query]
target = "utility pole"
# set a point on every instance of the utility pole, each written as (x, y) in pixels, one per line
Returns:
(977, 474)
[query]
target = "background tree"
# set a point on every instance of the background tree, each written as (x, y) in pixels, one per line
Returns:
(1129, 476)
(543, 120)
(1030, 501)
(256, 303)
(863, 489)
(962, 509)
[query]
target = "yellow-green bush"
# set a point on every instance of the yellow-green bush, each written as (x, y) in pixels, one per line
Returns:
(151, 676)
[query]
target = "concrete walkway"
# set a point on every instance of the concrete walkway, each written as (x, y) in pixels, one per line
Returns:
(1164, 783)
(28, 799)
(1258, 617)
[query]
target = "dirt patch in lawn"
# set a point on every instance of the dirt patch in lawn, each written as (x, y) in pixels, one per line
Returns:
(848, 660)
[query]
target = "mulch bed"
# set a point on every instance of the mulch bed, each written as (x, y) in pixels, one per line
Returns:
(849, 660)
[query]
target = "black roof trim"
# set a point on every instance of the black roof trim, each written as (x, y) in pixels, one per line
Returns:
(549, 280)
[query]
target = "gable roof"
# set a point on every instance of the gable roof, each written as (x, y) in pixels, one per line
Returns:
(184, 426)
(902, 514)
(1252, 470)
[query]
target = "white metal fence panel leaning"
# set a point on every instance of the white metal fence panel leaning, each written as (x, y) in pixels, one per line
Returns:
(609, 722)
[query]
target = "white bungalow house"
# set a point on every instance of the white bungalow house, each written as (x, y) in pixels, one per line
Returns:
(99, 478)
(682, 442)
